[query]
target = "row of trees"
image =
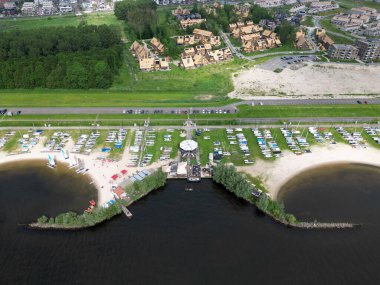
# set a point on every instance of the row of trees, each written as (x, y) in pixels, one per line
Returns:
(237, 183)
(140, 15)
(140, 188)
(98, 215)
(72, 219)
(90, 58)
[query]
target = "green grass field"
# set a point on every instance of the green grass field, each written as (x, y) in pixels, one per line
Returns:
(308, 22)
(108, 98)
(283, 48)
(340, 40)
(58, 21)
(280, 112)
(310, 111)
(326, 23)
(214, 79)
(348, 4)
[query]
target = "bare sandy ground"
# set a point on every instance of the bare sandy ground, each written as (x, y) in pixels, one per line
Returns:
(314, 80)
(276, 174)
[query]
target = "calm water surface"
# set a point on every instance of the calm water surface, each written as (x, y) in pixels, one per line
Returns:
(202, 237)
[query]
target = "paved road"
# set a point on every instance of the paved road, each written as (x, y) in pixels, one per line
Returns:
(148, 111)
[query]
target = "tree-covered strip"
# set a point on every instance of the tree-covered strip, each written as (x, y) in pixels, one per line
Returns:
(238, 184)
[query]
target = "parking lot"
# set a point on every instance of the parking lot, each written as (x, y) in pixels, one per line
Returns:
(286, 62)
(183, 111)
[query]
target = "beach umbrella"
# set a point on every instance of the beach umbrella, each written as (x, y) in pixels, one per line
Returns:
(115, 176)
(124, 172)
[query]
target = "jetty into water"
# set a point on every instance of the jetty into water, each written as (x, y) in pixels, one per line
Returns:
(325, 226)
(126, 212)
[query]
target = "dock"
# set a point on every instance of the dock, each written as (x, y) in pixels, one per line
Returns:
(126, 212)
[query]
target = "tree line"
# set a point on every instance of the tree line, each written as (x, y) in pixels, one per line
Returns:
(73, 220)
(238, 184)
(69, 57)
(140, 15)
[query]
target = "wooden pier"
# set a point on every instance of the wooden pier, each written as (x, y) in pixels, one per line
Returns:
(126, 212)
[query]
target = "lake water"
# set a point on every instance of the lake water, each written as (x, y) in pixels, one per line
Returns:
(202, 237)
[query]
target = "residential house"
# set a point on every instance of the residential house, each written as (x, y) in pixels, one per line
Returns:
(180, 11)
(187, 62)
(202, 36)
(324, 39)
(139, 51)
(186, 40)
(242, 11)
(301, 41)
(153, 64)
(157, 45)
(190, 22)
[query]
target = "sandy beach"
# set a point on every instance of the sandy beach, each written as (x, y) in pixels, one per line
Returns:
(275, 174)
(100, 171)
(314, 80)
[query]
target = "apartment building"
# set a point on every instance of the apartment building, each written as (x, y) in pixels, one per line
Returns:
(369, 49)
(343, 52)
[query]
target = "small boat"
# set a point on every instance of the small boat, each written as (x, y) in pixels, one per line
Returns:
(64, 154)
(51, 162)
(80, 170)
(85, 171)
(188, 189)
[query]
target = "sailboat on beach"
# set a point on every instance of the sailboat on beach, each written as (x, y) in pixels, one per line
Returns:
(51, 162)
(64, 154)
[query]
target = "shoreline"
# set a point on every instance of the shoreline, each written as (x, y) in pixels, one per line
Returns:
(100, 171)
(276, 174)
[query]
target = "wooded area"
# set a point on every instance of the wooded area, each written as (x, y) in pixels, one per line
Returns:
(71, 57)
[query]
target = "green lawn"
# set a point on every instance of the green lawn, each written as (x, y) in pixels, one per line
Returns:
(326, 23)
(214, 79)
(12, 144)
(358, 3)
(340, 40)
(309, 111)
(281, 112)
(58, 21)
(108, 98)
(308, 22)
(283, 48)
